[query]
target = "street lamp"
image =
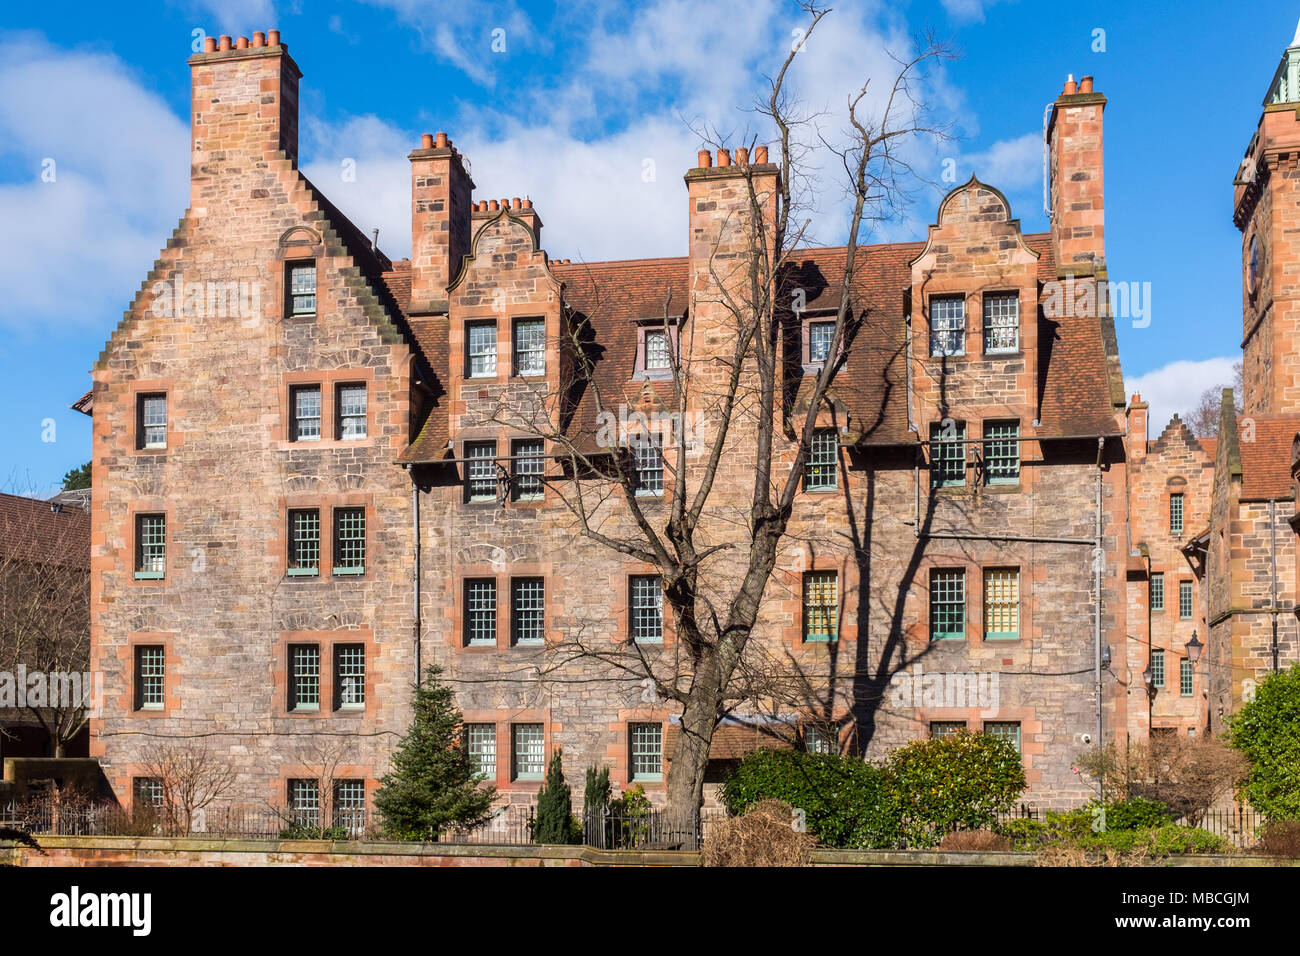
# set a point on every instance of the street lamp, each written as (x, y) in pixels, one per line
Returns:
(1194, 649)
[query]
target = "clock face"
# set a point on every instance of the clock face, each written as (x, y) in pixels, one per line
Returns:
(1252, 266)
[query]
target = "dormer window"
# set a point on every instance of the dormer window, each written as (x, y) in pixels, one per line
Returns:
(481, 349)
(655, 348)
(820, 335)
(1001, 323)
(530, 347)
(302, 288)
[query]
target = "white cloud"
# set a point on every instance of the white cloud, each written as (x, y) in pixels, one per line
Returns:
(241, 17)
(1177, 387)
(1009, 164)
(76, 248)
(967, 11)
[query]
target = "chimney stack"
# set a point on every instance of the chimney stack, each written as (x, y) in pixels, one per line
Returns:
(440, 221)
(1075, 185)
(243, 109)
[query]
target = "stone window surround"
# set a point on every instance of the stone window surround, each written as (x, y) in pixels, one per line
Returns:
(673, 325)
(963, 285)
(293, 252)
(846, 585)
(325, 504)
(618, 753)
(155, 386)
(807, 319)
(278, 792)
(326, 641)
(151, 506)
(974, 600)
(514, 331)
(126, 653)
(504, 319)
(504, 590)
(503, 720)
(976, 717)
(329, 380)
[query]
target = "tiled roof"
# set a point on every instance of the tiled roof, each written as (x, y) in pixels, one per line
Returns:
(1074, 373)
(32, 530)
(1266, 461)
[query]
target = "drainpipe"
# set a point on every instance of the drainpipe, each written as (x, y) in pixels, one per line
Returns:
(1272, 534)
(415, 573)
(1096, 625)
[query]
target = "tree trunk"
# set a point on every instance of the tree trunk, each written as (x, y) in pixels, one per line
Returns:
(691, 753)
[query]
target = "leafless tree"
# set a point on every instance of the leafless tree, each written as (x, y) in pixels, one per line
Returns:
(1203, 420)
(191, 777)
(45, 617)
(715, 553)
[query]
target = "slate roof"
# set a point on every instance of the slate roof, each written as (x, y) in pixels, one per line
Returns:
(32, 530)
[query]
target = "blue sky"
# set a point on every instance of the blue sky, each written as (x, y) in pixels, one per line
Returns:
(580, 103)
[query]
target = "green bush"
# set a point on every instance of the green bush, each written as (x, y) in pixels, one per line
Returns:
(960, 781)
(300, 831)
(1167, 840)
(1267, 731)
(1136, 813)
(843, 799)
(1025, 834)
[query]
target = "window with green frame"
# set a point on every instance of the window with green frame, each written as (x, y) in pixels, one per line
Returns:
(946, 728)
(1185, 678)
(820, 605)
(1008, 730)
(304, 542)
(1185, 600)
(947, 453)
(947, 604)
(1157, 668)
(821, 473)
(1001, 453)
(349, 540)
(528, 746)
(647, 751)
(1176, 513)
(1158, 591)
(1002, 603)
(150, 547)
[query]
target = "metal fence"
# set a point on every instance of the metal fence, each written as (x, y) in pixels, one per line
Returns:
(1238, 825)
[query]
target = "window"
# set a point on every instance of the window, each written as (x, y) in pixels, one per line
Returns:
(150, 678)
(528, 610)
(657, 356)
(350, 805)
(648, 457)
(350, 676)
(820, 605)
(647, 751)
(947, 453)
(528, 745)
(481, 338)
(304, 677)
(530, 347)
(1006, 729)
(150, 547)
(304, 542)
(302, 288)
(823, 461)
(1002, 604)
(948, 325)
(947, 605)
(527, 468)
(646, 609)
(1001, 323)
(1157, 668)
(820, 335)
(481, 745)
(1158, 591)
(1185, 678)
(304, 802)
(349, 540)
(946, 728)
(481, 471)
(480, 613)
(1002, 453)
(305, 412)
(818, 741)
(1184, 600)
(148, 792)
(1176, 514)
(351, 412)
(151, 421)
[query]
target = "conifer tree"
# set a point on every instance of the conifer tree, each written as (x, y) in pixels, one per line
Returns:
(432, 784)
(555, 804)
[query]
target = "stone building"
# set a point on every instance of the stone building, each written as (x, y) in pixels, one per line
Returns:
(316, 470)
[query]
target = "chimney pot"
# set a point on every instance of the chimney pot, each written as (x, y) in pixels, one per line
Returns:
(724, 158)
(426, 141)
(441, 141)
(224, 44)
(259, 38)
(742, 155)
(760, 155)
(528, 204)
(273, 38)
(705, 159)
(1071, 87)
(515, 203)
(493, 205)
(241, 43)
(210, 45)
(1085, 85)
